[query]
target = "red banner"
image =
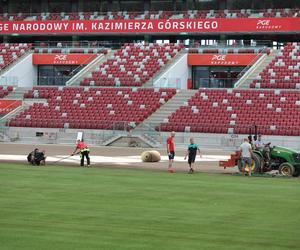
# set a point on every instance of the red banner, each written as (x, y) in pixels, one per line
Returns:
(221, 59)
(62, 59)
(213, 25)
(7, 106)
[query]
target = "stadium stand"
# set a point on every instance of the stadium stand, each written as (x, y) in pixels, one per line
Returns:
(128, 15)
(283, 71)
(91, 108)
(132, 65)
(229, 50)
(96, 106)
(71, 50)
(275, 112)
(10, 52)
(5, 90)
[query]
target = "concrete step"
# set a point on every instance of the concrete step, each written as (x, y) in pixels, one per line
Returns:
(254, 71)
(164, 69)
(88, 69)
(17, 93)
(15, 62)
(111, 140)
(168, 108)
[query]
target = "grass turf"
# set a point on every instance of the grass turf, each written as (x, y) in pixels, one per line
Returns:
(77, 208)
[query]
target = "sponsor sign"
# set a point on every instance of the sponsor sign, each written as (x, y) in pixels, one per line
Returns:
(221, 59)
(213, 25)
(62, 59)
(7, 106)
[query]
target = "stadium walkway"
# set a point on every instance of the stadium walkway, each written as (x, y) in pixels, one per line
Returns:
(114, 157)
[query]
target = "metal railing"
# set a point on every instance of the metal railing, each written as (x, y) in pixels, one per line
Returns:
(230, 44)
(211, 127)
(257, 45)
(82, 69)
(214, 82)
(64, 82)
(152, 136)
(13, 61)
(9, 81)
(75, 44)
(164, 82)
(252, 63)
(154, 130)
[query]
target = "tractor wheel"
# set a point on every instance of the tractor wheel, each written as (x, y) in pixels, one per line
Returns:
(255, 166)
(297, 172)
(286, 169)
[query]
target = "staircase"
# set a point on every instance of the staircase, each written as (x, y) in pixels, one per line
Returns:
(167, 109)
(17, 93)
(3, 134)
(15, 62)
(111, 139)
(12, 114)
(88, 69)
(255, 70)
(165, 68)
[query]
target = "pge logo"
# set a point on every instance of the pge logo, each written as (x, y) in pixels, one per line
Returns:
(60, 57)
(263, 22)
(219, 58)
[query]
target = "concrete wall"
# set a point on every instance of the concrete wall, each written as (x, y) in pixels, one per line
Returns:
(176, 76)
(57, 136)
(227, 141)
(223, 142)
(24, 71)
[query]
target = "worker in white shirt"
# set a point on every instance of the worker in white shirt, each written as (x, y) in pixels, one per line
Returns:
(246, 155)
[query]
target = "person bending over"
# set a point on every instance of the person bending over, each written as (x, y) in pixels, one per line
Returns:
(84, 151)
(37, 157)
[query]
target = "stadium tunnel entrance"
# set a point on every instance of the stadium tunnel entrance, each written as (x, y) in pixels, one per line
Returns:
(214, 77)
(56, 74)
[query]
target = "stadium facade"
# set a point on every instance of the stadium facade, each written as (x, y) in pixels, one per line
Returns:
(219, 68)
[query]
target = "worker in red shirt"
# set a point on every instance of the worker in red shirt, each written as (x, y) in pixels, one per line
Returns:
(84, 152)
(171, 151)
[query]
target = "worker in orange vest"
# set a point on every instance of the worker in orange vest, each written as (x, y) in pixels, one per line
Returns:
(84, 151)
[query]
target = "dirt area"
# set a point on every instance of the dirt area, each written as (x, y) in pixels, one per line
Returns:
(119, 157)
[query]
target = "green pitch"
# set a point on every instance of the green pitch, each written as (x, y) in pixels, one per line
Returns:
(75, 208)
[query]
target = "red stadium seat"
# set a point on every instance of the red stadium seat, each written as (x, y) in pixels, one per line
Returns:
(76, 106)
(132, 65)
(209, 112)
(283, 72)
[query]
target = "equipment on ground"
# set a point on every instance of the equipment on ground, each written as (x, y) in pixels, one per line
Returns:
(64, 158)
(269, 158)
(150, 156)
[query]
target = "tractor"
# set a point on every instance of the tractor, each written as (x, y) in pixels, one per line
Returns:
(285, 160)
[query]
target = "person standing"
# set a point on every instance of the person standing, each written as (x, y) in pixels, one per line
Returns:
(192, 152)
(265, 148)
(84, 152)
(171, 151)
(246, 155)
(258, 144)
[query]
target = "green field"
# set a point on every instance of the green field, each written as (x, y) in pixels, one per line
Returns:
(78, 208)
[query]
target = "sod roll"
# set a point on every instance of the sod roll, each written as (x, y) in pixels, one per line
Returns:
(150, 156)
